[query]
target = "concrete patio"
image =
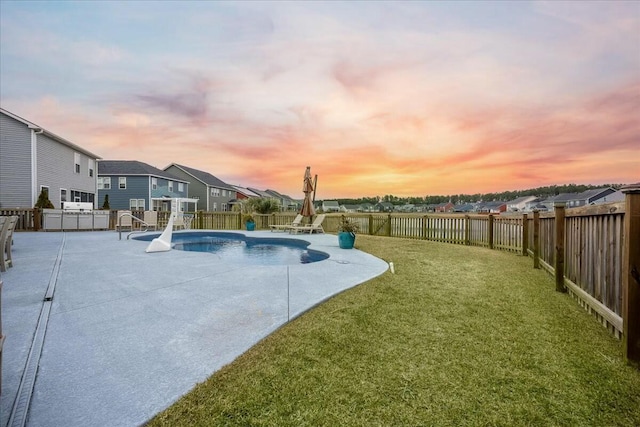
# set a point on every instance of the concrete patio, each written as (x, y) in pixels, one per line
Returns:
(108, 335)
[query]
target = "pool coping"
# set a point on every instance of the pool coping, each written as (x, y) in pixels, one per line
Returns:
(139, 330)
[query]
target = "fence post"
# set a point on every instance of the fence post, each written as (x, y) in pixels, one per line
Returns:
(467, 230)
(371, 224)
(559, 264)
(525, 234)
(536, 239)
(389, 226)
(631, 275)
(37, 219)
(490, 231)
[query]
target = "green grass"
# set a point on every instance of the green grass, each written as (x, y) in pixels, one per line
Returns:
(459, 336)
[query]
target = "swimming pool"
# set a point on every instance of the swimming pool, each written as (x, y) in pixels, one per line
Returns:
(241, 249)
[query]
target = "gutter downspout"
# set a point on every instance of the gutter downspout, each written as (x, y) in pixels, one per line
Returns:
(34, 164)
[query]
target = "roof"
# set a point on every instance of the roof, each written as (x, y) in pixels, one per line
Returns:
(589, 194)
(245, 191)
(133, 167)
(333, 203)
(260, 192)
(202, 176)
(50, 134)
(523, 199)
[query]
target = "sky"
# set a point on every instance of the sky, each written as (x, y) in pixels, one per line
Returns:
(400, 98)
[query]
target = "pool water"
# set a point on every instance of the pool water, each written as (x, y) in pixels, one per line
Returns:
(238, 248)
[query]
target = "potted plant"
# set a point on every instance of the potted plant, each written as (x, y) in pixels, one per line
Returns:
(249, 222)
(347, 233)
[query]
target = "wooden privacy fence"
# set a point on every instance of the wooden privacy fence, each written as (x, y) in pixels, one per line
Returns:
(593, 252)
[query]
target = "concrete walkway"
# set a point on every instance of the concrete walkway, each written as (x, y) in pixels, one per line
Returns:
(126, 333)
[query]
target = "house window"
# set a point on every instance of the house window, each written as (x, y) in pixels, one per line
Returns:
(91, 166)
(224, 193)
(136, 204)
(81, 196)
(215, 206)
(104, 183)
(76, 160)
(181, 187)
(224, 207)
(122, 182)
(154, 183)
(170, 183)
(215, 192)
(63, 196)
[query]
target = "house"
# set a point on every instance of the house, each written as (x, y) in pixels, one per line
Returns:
(564, 198)
(286, 202)
(366, 207)
(464, 208)
(444, 207)
(492, 207)
(244, 193)
(384, 207)
(519, 204)
(350, 208)
(330, 206)
(34, 159)
(215, 195)
(134, 185)
(591, 197)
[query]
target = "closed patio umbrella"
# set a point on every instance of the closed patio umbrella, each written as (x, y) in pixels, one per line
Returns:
(307, 187)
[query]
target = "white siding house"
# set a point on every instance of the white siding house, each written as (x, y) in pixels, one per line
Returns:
(33, 158)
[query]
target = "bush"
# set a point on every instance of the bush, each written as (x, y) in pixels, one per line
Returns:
(43, 200)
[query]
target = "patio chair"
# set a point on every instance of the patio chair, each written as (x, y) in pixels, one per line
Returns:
(315, 226)
(124, 220)
(151, 219)
(178, 222)
(295, 223)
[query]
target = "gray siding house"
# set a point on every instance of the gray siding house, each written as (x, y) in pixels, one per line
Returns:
(133, 185)
(215, 195)
(33, 158)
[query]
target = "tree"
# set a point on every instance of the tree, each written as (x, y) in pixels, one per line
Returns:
(105, 205)
(43, 200)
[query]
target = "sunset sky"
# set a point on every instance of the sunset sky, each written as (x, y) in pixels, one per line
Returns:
(402, 98)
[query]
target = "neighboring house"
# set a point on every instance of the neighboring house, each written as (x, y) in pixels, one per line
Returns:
(444, 207)
(134, 185)
(564, 198)
(366, 207)
(409, 207)
(286, 202)
(492, 207)
(520, 204)
(330, 206)
(244, 193)
(617, 196)
(350, 208)
(261, 193)
(591, 197)
(534, 204)
(464, 208)
(215, 195)
(384, 207)
(32, 159)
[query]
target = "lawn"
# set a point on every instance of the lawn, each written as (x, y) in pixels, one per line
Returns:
(459, 336)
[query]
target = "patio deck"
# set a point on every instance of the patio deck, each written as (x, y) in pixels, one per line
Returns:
(127, 333)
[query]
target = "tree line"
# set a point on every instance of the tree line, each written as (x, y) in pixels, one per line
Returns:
(505, 196)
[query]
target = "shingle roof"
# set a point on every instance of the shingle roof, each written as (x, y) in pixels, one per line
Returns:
(204, 177)
(133, 167)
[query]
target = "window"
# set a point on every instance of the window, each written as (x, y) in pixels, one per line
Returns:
(181, 187)
(215, 207)
(215, 192)
(63, 196)
(136, 204)
(224, 193)
(91, 166)
(76, 160)
(122, 182)
(81, 196)
(224, 207)
(154, 183)
(170, 183)
(104, 183)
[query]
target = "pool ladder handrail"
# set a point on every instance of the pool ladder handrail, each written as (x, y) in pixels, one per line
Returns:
(134, 218)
